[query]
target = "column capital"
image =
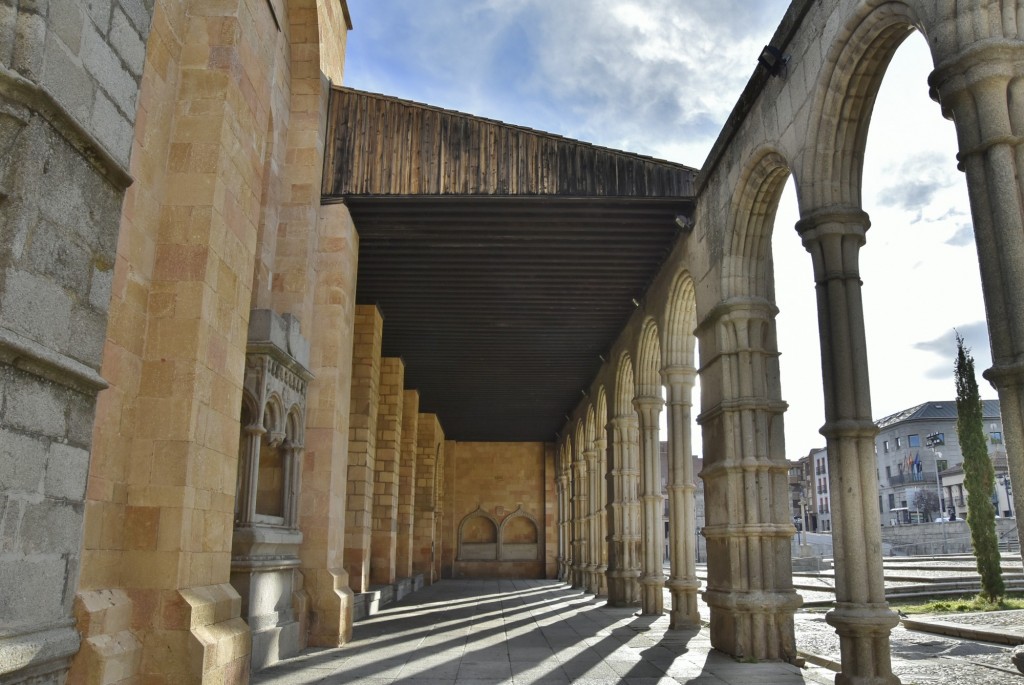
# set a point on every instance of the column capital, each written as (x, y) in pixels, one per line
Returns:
(679, 373)
(994, 60)
(648, 408)
(836, 220)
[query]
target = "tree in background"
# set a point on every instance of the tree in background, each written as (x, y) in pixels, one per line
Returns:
(927, 502)
(979, 474)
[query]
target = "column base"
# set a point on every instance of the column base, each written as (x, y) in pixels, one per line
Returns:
(41, 654)
(652, 595)
(623, 588)
(602, 580)
(684, 612)
(754, 625)
(330, 623)
(864, 643)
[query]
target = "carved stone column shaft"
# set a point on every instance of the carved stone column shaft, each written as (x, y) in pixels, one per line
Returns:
(748, 525)
(623, 513)
(683, 583)
(861, 617)
(248, 473)
(652, 582)
(600, 509)
(981, 89)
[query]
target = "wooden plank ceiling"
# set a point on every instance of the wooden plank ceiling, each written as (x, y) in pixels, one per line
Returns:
(505, 261)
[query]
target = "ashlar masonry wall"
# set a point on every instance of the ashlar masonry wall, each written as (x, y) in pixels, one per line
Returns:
(508, 485)
(69, 80)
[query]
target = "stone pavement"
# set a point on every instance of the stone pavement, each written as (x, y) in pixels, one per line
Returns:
(523, 632)
(542, 631)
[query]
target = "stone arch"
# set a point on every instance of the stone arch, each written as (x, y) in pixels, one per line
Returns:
(578, 434)
(274, 419)
(519, 537)
(601, 409)
(624, 390)
(678, 334)
(590, 426)
(747, 268)
(478, 536)
(295, 426)
(648, 355)
(859, 56)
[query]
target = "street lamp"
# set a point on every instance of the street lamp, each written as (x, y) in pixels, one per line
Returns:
(1004, 480)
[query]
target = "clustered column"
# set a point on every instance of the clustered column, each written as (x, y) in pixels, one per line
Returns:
(599, 505)
(653, 580)
(623, 513)
(580, 509)
(590, 582)
(981, 89)
(683, 583)
(862, 618)
(749, 529)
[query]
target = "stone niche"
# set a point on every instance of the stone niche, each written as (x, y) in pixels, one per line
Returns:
(493, 548)
(265, 541)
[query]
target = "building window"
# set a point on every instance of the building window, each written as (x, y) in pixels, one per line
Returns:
(888, 472)
(899, 442)
(935, 439)
(913, 441)
(885, 446)
(996, 438)
(892, 501)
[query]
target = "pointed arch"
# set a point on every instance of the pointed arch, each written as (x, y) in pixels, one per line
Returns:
(678, 334)
(590, 427)
(625, 389)
(601, 409)
(747, 269)
(648, 354)
(834, 161)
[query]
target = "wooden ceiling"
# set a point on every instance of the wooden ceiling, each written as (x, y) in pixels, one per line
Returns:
(505, 261)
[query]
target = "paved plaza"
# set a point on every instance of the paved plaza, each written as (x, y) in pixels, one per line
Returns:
(541, 631)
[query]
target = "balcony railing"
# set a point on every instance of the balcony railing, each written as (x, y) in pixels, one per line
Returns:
(911, 478)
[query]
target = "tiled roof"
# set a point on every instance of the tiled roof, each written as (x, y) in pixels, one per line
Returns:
(932, 411)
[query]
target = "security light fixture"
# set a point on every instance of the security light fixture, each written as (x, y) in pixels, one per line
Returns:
(685, 223)
(773, 60)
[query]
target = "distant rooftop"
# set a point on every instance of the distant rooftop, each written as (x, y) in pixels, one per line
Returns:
(936, 411)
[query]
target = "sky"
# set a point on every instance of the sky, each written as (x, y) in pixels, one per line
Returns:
(659, 78)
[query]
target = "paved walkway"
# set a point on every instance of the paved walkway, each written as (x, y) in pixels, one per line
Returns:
(530, 631)
(541, 631)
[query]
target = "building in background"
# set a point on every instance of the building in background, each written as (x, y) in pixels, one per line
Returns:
(917, 449)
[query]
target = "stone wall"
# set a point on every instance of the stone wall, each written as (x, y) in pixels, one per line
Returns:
(951, 537)
(508, 485)
(69, 79)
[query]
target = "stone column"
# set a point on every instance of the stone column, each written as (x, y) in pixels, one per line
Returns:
(563, 526)
(599, 506)
(362, 444)
(683, 583)
(623, 513)
(407, 483)
(748, 525)
(325, 466)
(981, 90)
(384, 543)
(590, 581)
(861, 617)
(579, 509)
(430, 438)
(247, 474)
(652, 582)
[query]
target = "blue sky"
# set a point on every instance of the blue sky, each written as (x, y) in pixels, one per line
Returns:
(659, 77)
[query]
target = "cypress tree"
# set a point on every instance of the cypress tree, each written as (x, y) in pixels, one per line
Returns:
(979, 474)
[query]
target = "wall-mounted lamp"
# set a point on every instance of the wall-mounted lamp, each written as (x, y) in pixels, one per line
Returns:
(773, 60)
(601, 357)
(635, 302)
(685, 223)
